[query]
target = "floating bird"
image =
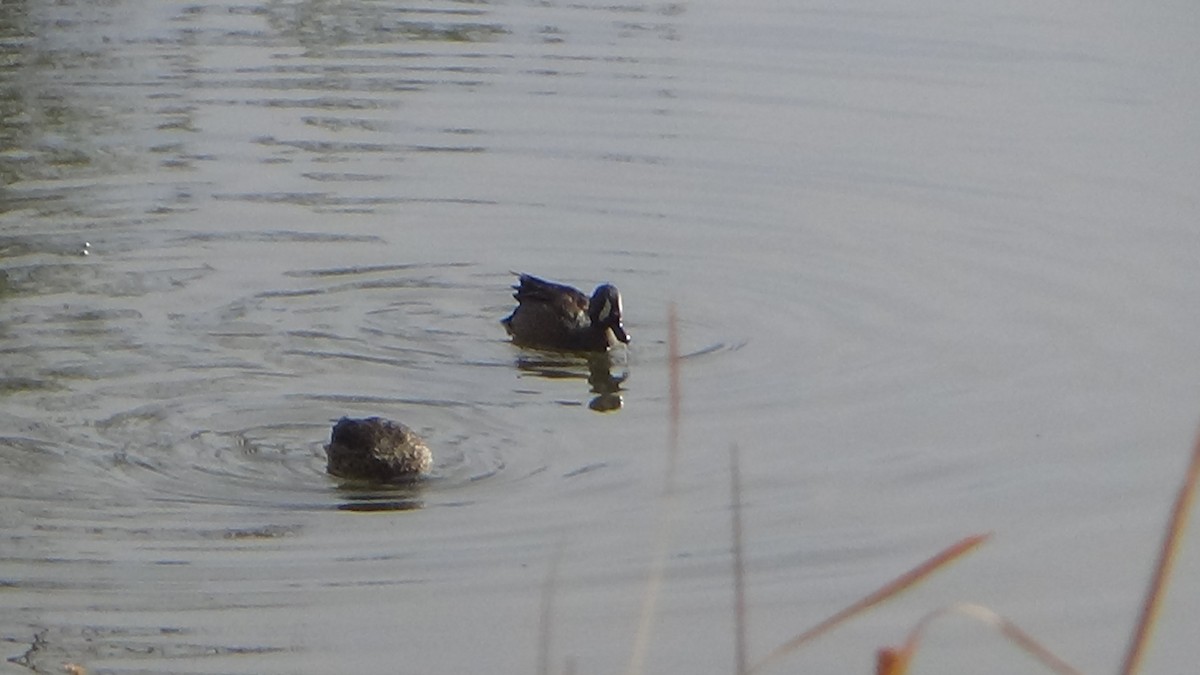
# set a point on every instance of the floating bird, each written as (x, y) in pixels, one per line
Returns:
(556, 316)
(377, 450)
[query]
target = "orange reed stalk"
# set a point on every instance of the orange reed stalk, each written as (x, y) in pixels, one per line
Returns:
(895, 661)
(1166, 560)
(887, 592)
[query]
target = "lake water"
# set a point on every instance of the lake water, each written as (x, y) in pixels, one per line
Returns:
(935, 268)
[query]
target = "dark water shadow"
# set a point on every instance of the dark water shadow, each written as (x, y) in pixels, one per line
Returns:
(364, 497)
(597, 369)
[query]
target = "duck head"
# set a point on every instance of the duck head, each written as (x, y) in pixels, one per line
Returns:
(604, 310)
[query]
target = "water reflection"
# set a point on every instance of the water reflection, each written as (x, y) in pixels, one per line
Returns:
(320, 24)
(53, 122)
(361, 500)
(597, 369)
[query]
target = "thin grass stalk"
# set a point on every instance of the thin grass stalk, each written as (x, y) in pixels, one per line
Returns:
(896, 661)
(739, 566)
(887, 592)
(549, 590)
(1162, 571)
(658, 566)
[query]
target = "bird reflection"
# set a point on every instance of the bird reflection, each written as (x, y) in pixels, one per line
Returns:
(603, 383)
(360, 497)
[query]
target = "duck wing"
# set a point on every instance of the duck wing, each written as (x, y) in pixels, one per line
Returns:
(568, 301)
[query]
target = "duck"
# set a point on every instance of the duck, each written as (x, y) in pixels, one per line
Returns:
(558, 317)
(377, 450)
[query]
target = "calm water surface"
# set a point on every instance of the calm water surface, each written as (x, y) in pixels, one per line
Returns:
(934, 265)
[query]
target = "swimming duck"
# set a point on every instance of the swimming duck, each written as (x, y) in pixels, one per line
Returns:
(556, 316)
(376, 449)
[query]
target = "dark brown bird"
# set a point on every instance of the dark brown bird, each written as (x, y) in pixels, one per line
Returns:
(375, 449)
(556, 316)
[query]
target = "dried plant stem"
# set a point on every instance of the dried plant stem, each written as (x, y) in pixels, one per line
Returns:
(1166, 560)
(641, 643)
(549, 589)
(898, 660)
(739, 567)
(887, 592)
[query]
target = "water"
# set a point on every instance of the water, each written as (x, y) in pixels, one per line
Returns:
(934, 267)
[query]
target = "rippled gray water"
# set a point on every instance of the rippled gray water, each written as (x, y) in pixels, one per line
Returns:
(935, 271)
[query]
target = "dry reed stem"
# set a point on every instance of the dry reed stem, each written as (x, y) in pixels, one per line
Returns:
(641, 643)
(887, 592)
(891, 661)
(549, 589)
(739, 567)
(1166, 560)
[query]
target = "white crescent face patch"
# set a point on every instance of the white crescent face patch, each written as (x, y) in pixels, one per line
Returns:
(605, 310)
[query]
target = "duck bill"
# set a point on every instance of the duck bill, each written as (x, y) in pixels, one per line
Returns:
(619, 332)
